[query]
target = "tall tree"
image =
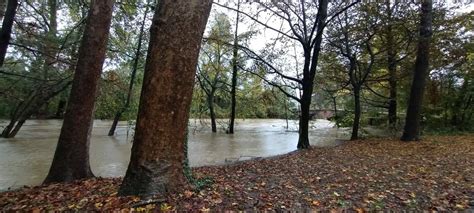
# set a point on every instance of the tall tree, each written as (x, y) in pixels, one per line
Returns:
(214, 63)
(6, 31)
(71, 159)
(156, 164)
(234, 71)
(354, 35)
(305, 22)
(136, 59)
(411, 131)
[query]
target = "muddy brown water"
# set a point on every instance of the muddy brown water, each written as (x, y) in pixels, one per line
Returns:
(25, 159)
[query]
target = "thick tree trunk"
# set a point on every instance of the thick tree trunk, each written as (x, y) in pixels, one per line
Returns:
(210, 102)
(119, 113)
(234, 73)
(7, 25)
(156, 164)
(412, 123)
(71, 159)
(357, 112)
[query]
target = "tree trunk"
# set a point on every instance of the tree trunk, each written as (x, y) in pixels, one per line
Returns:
(7, 25)
(71, 159)
(234, 72)
(357, 112)
(17, 114)
(60, 110)
(132, 78)
(303, 140)
(309, 71)
(412, 123)
(156, 164)
(392, 72)
(3, 7)
(48, 46)
(210, 102)
(334, 103)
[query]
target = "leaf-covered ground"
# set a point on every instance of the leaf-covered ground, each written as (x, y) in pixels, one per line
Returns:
(434, 174)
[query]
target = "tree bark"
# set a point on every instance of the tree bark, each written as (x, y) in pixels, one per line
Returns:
(412, 122)
(7, 25)
(132, 78)
(156, 164)
(234, 72)
(71, 159)
(357, 112)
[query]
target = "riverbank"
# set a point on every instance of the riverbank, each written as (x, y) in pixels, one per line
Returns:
(25, 159)
(434, 174)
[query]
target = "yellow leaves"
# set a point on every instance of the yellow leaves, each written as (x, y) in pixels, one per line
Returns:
(98, 205)
(336, 194)
(165, 207)
(315, 203)
(460, 206)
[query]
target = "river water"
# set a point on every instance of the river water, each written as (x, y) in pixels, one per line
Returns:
(25, 159)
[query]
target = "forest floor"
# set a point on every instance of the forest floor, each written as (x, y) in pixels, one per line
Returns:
(374, 174)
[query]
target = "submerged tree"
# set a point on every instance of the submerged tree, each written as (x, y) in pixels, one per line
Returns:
(214, 63)
(156, 164)
(411, 131)
(233, 89)
(136, 60)
(302, 22)
(71, 159)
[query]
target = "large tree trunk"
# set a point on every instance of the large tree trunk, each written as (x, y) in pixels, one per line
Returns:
(357, 112)
(132, 78)
(412, 123)
(71, 159)
(234, 72)
(7, 25)
(156, 164)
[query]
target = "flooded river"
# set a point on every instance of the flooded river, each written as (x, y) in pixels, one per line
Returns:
(25, 159)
